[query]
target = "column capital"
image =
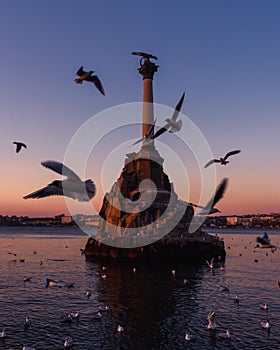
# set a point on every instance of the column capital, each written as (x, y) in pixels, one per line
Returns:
(147, 69)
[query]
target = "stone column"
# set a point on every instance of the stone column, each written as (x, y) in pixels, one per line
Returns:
(147, 70)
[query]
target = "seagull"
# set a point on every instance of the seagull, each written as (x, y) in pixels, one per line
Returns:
(222, 161)
(225, 287)
(264, 306)
(87, 76)
(25, 347)
(120, 329)
(104, 308)
(72, 187)
(56, 283)
(26, 279)
(264, 242)
(211, 320)
(68, 342)
(236, 300)
(211, 263)
(172, 123)
(209, 208)
(189, 337)
(27, 323)
(265, 324)
(75, 314)
(224, 335)
(3, 333)
(66, 319)
(98, 316)
(88, 294)
(19, 146)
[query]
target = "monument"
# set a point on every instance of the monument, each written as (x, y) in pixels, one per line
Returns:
(142, 216)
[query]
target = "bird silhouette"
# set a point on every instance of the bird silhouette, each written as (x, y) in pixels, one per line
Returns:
(222, 161)
(19, 146)
(72, 187)
(88, 76)
(210, 206)
(172, 123)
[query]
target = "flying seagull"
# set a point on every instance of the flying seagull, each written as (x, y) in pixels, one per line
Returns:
(88, 76)
(210, 206)
(72, 187)
(222, 161)
(19, 146)
(144, 55)
(172, 123)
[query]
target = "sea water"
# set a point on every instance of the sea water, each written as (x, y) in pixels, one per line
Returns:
(154, 306)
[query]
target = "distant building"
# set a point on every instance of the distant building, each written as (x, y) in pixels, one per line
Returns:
(65, 220)
(233, 220)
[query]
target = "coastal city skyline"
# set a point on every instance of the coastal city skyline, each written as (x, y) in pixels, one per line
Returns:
(223, 55)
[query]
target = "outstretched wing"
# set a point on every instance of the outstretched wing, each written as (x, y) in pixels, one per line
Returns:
(19, 146)
(94, 79)
(218, 194)
(160, 131)
(47, 191)
(81, 72)
(61, 169)
(178, 108)
(197, 206)
(231, 153)
(212, 161)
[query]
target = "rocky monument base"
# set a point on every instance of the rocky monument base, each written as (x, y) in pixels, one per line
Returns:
(148, 221)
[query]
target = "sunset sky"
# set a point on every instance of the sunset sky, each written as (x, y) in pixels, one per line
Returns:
(224, 54)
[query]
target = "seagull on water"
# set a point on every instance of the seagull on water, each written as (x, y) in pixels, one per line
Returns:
(264, 242)
(236, 300)
(75, 314)
(210, 263)
(25, 347)
(210, 206)
(104, 308)
(72, 187)
(222, 161)
(19, 146)
(264, 306)
(265, 324)
(88, 294)
(3, 333)
(190, 337)
(98, 316)
(27, 323)
(56, 283)
(88, 76)
(224, 335)
(66, 319)
(211, 320)
(120, 329)
(68, 342)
